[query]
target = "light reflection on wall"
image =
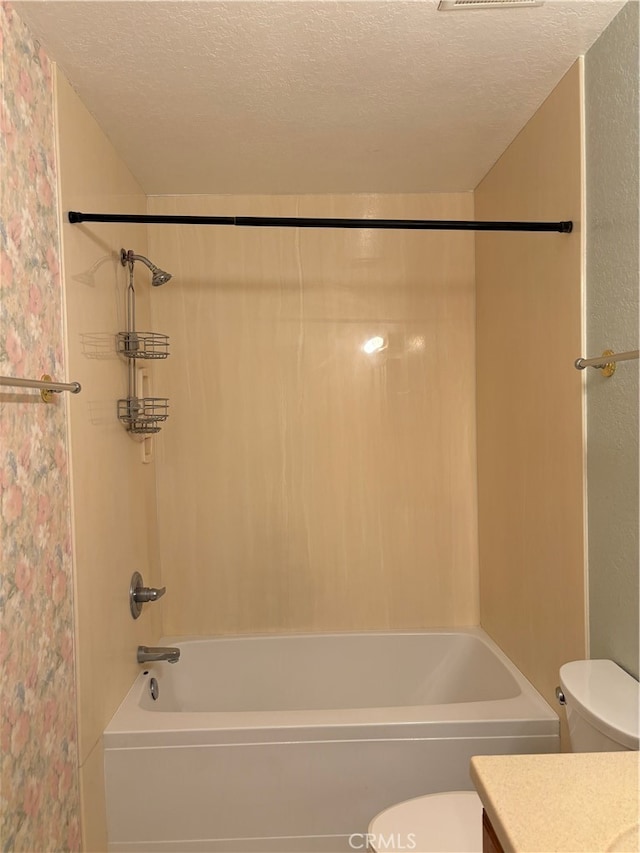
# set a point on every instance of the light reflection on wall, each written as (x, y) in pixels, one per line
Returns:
(374, 344)
(378, 343)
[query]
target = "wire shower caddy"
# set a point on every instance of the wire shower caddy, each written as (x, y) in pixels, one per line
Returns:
(141, 415)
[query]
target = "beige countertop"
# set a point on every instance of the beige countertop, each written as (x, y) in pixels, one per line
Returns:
(584, 802)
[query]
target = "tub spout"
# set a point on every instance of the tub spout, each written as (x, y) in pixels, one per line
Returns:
(149, 654)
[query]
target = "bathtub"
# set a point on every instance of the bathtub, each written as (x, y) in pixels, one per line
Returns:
(294, 743)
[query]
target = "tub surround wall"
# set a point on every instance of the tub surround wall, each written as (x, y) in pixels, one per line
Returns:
(114, 493)
(39, 775)
(303, 484)
(611, 87)
(530, 397)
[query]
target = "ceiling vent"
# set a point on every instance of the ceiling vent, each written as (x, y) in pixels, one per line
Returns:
(451, 5)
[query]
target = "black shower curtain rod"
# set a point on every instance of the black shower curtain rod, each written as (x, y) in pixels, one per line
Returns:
(304, 222)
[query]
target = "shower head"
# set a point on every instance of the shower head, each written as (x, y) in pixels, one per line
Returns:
(158, 276)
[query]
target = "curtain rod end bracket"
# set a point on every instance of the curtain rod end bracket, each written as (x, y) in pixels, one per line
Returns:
(566, 227)
(74, 216)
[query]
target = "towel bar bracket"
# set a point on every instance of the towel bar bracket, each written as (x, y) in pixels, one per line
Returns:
(607, 361)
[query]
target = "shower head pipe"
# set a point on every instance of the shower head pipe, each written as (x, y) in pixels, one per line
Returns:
(158, 276)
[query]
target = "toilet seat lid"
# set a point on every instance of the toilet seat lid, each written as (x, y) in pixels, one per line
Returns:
(437, 823)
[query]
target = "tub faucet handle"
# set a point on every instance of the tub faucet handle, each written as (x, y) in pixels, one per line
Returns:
(140, 594)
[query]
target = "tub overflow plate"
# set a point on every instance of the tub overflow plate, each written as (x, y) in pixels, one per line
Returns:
(154, 688)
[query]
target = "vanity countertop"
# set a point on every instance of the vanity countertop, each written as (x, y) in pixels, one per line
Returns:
(561, 802)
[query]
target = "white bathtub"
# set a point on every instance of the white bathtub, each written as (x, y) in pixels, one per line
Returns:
(294, 743)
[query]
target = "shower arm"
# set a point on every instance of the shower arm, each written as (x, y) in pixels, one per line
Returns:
(130, 257)
(158, 276)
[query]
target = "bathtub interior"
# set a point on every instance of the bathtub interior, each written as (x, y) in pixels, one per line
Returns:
(331, 672)
(227, 769)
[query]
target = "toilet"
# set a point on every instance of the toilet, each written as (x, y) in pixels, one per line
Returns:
(602, 703)
(446, 822)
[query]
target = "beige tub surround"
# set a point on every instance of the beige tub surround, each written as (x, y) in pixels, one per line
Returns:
(583, 802)
(530, 397)
(309, 477)
(113, 491)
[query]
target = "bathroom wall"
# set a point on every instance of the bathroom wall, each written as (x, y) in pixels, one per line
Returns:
(114, 492)
(39, 771)
(611, 107)
(302, 483)
(530, 397)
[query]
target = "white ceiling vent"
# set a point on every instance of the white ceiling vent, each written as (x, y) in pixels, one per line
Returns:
(451, 5)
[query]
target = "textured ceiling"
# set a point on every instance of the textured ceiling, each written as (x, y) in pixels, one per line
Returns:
(312, 97)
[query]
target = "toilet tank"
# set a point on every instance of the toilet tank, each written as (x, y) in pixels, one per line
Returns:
(602, 702)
